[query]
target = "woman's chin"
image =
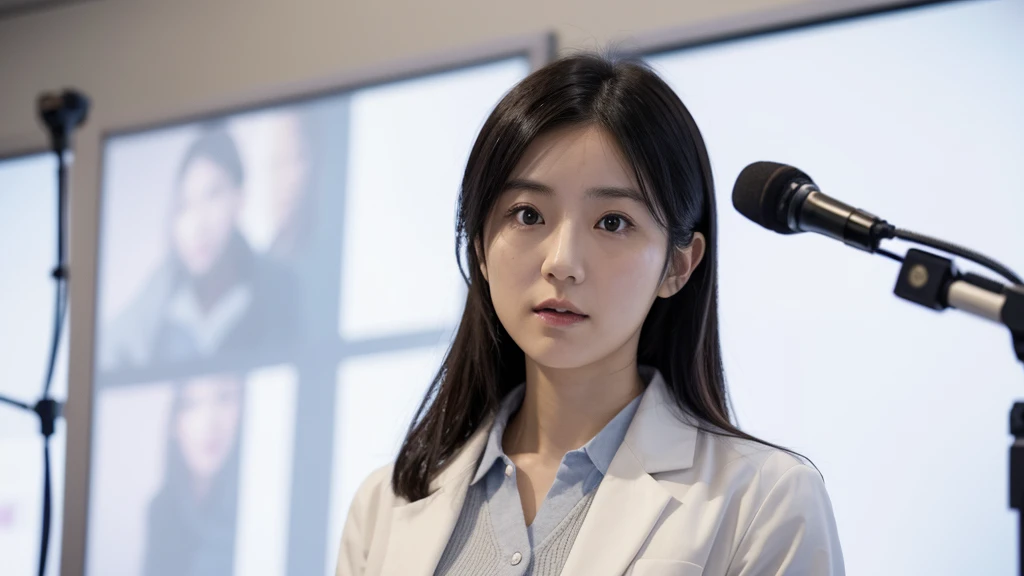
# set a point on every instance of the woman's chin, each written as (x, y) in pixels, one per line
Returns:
(560, 355)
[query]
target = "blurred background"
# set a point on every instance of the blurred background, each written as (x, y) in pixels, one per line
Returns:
(263, 274)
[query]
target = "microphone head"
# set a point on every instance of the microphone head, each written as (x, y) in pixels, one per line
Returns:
(760, 189)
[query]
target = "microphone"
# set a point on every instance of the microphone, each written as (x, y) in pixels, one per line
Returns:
(62, 113)
(783, 199)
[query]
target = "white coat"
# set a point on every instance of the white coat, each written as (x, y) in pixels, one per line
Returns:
(675, 501)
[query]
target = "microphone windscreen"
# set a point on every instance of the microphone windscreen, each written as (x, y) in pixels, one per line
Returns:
(759, 189)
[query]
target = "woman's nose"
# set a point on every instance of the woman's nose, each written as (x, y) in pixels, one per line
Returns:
(564, 257)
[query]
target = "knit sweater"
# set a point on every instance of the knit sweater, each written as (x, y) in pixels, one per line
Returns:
(474, 550)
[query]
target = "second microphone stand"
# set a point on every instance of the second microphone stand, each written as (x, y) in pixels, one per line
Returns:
(935, 282)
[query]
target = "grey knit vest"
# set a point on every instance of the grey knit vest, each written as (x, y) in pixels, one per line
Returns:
(473, 548)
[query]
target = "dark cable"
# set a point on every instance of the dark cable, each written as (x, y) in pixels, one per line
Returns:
(45, 545)
(959, 251)
(15, 403)
(889, 255)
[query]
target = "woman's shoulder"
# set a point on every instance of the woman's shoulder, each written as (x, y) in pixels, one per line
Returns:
(376, 486)
(752, 488)
(751, 496)
(746, 506)
(748, 465)
(127, 339)
(368, 512)
(752, 452)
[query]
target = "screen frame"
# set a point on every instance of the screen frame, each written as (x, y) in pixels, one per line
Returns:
(538, 48)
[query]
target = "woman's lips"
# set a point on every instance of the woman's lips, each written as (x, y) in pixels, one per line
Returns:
(553, 318)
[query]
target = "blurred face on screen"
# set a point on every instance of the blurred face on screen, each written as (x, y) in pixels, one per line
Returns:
(289, 168)
(208, 207)
(206, 424)
(565, 228)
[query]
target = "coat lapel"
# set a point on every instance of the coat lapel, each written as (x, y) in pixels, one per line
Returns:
(629, 501)
(420, 529)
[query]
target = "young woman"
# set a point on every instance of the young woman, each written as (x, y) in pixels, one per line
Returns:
(580, 422)
(191, 520)
(212, 294)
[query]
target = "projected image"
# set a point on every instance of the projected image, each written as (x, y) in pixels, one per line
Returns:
(192, 476)
(206, 228)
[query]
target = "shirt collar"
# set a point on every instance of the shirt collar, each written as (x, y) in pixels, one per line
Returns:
(603, 446)
(492, 450)
(600, 449)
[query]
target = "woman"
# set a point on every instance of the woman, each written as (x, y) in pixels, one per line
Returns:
(192, 517)
(580, 422)
(213, 294)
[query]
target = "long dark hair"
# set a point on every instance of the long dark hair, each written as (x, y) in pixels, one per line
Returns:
(214, 144)
(679, 337)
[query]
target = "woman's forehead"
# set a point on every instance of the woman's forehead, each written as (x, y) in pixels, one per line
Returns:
(574, 159)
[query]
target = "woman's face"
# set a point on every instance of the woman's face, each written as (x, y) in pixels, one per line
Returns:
(571, 225)
(207, 422)
(208, 207)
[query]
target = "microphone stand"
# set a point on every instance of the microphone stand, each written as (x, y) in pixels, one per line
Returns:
(934, 282)
(62, 114)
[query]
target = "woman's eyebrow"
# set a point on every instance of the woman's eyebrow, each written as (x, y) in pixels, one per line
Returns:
(599, 192)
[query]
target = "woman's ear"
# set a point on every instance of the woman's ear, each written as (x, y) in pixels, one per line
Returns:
(480, 258)
(684, 262)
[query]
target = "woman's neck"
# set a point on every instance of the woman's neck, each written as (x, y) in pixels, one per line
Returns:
(564, 408)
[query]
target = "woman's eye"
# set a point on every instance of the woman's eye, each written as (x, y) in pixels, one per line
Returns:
(612, 222)
(527, 216)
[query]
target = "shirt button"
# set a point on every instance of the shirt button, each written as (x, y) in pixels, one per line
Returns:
(516, 558)
(508, 472)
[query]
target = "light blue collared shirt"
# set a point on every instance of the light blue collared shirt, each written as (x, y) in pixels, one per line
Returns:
(580, 472)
